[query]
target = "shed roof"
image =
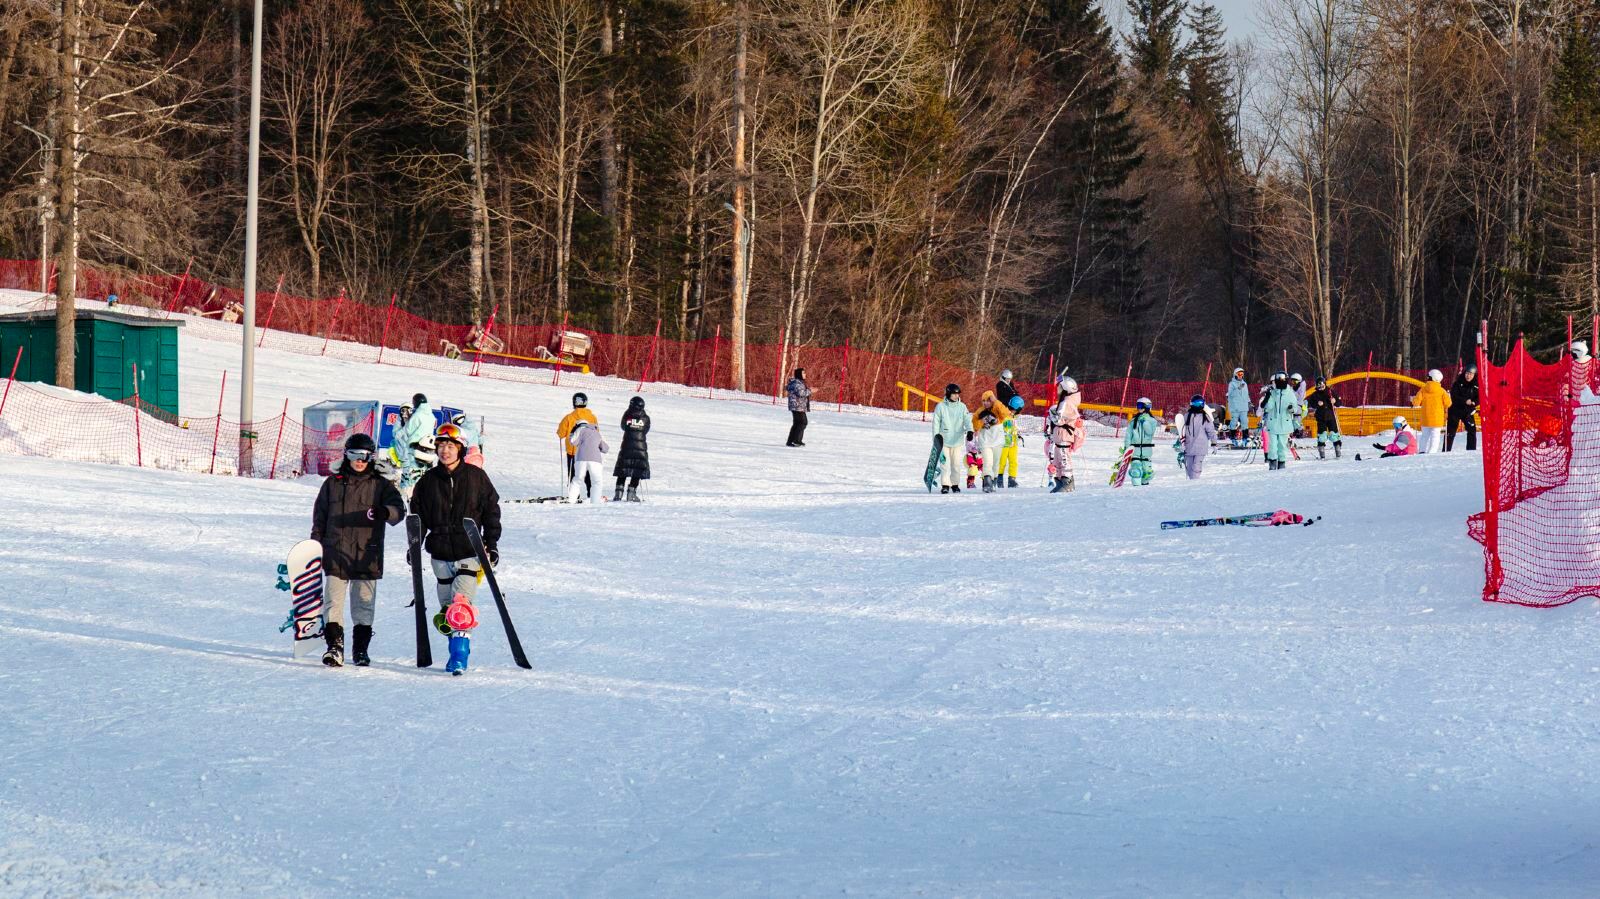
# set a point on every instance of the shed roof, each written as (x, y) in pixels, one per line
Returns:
(105, 315)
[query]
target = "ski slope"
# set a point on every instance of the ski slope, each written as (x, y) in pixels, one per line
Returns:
(792, 672)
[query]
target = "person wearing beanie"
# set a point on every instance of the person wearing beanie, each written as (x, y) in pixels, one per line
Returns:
(352, 509)
(1463, 408)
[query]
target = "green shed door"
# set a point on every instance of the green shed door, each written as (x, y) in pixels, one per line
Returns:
(141, 347)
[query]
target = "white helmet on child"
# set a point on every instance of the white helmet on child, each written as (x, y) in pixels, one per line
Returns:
(1435, 375)
(1005, 374)
(1580, 348)
(1399, 422)
(1067, 385)
(1295, 378)
(1143, 402)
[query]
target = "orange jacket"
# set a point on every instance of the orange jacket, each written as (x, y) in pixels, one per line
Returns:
(989, 403)
(570, 422)
(1433, 399)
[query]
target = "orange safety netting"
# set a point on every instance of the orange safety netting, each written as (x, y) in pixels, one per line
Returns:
(1540, 527)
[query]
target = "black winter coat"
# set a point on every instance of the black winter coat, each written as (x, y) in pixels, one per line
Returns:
(1003, 391)
(1324, 405)
(443, 498)
(1464, 396)
(352, 545)
(633, 460)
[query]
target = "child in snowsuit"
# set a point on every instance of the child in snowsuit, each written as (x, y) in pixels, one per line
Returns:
(974, 459)
(1007, 475)
(1325, 407)
(1238, 408)
(991, 440)
(1404, 442)
(589, 449)
(1197, 434)
(1280, 415)
(1434, 401)
(1064, 429)
(1141, 438)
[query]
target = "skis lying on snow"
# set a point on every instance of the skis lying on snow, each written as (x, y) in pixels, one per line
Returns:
(475, 537)
(414, 553)
(1254, 519)
(536, 499)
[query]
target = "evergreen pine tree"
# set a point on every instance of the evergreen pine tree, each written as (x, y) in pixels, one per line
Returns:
(1155, 47)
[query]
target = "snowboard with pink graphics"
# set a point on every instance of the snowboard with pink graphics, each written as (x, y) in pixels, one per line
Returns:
(301, 576)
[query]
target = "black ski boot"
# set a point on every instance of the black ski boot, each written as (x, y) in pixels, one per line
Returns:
(945, 489)
(1011, 483)
(1338, 449)
(988, 484)
(633, 495)
(1321, 452)
(618, 497)
(955, 488)
(334, 634)
(361, 638)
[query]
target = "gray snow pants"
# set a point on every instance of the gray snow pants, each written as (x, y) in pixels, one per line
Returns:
(366, 600)
(456, 577)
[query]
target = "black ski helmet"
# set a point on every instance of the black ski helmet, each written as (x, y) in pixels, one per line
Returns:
(951, 390)
(417, 400)
(579, 400)
(360, 441)
(636, 403)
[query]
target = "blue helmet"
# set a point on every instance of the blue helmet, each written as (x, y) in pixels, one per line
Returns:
(1197, 402)
(1016, 403)
(1144, 403)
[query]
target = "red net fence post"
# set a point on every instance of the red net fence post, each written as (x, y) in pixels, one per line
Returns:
(138, 437)
(177, 294)
(384, 340)
(334, 322)
(1205, 392)
(651, 360)
(555, 379)
(1123, 403)
(271, 308)
(9, 379)
(216, 433)
(277, 444)
(477, 360)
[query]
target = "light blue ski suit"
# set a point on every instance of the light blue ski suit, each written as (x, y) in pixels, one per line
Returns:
(1281, 414)
(1238, 404)
(1141, 438)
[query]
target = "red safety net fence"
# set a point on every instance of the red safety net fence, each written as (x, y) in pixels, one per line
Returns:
(1540, 527)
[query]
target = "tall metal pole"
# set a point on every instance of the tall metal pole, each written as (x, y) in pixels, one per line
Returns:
(247, 364)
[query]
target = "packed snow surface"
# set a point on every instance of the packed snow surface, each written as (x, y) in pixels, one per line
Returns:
(792, 672)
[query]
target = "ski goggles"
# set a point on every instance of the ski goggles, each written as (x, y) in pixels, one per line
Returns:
(449, 431)
(358, 455)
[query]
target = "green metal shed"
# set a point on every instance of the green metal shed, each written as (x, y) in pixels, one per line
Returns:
(109, 346)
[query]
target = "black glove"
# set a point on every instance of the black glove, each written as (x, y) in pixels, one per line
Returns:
(494, 556)
(378, 513)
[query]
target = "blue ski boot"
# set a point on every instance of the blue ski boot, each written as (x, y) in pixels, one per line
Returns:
(459, 647)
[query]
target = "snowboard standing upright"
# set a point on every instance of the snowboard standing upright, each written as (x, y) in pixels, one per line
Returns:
(475, 537)
(414, 553)
(930, 475)
(302, 576)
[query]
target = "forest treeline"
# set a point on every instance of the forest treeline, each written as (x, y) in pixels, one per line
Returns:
(1009, 179)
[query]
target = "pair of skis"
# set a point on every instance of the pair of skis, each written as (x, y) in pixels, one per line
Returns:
(475, 537)
(1279, 518)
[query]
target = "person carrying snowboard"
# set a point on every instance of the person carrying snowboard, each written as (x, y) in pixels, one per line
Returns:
(1238, 409)
(1007, 475)
(1141, 438)
(351, 511)
(580, 412)
(1325, 408)
(449, 493)
(591, 449)
(1064, 429)
(1197, 433)
(1434, 401)
(799, 407)
(1463, 408)
(1280, 415)
(633, 460)
(950, 425)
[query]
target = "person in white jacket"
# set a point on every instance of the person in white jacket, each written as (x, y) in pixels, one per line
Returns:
(991, 440)
(589, 448)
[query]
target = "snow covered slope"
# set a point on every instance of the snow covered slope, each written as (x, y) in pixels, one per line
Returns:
(792, 672)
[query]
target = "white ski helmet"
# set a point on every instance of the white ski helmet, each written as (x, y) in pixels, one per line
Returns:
(1580, 348)
(1295, 378)
(1143, 402)
(1005, 374)
(1067, 385)
(1435, 375)
(1399, 422)
(1238, 371)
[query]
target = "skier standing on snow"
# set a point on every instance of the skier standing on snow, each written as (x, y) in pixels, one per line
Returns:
(449, 493)
(1325, 408)
(1299, 385)
(1280, 414)
(1141, 438)
(950, 425)
(1004, 390)
(1434, 401)
(1064, 430)
(418, 426)
(348, 519)
(1463, 406)
(1238, 408)
(799, 407)
(1197, 433)
(590, 449)
(633, 460)
(1007, 476)
(991, 440)
(580, 412)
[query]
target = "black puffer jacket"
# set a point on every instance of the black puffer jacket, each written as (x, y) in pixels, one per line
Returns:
(633, 460)
(352, 545)
(1325, 405)
(443, 498)
(1464, 395)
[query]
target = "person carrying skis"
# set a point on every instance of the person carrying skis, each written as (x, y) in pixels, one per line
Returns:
(991, 440)
(1064, 429)
(1404, 442)
(1004, 390)
(1434, 400)
(799, 407)
(1141, 438)
(449, 493)
(1007, 475)
(1325, 408)
(1280, 414)
(348, 519)
(591, 448)
(950, 426)
(1197, 434)
(1463, 408)
(1238, 408)
(633, 460)
(580, 412)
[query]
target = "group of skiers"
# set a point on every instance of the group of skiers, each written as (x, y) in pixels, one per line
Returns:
(583, 449)
(980, 445)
